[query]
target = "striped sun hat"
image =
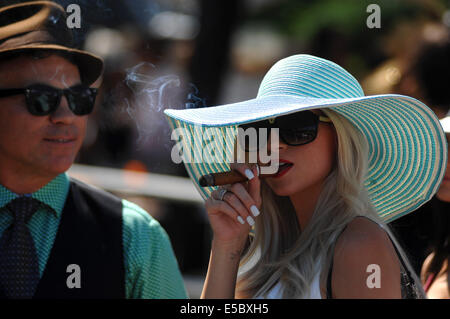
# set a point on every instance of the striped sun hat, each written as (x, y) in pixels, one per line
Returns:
(407, 145)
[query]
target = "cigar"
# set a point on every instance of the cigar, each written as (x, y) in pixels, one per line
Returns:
(225, 178)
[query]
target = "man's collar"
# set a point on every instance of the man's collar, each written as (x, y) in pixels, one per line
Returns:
(53, 194)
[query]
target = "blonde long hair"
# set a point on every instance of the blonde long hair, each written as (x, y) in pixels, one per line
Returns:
(280, 252)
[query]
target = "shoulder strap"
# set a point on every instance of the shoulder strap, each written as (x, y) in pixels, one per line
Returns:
(330, 269)
(330, 272)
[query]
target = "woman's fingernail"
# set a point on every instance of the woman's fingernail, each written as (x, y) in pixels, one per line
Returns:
(241, 220)
(257, 169)
(250, 221)
(249, 174)
(254, 210)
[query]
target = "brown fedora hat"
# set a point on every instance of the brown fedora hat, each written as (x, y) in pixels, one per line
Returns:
(42, 26)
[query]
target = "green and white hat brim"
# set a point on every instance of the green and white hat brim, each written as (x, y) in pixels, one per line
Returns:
(407, 145)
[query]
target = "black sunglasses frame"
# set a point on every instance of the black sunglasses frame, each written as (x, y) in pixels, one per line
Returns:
(291, 121)
(71, 93)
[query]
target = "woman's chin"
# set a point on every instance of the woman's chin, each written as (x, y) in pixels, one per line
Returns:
(281, 190)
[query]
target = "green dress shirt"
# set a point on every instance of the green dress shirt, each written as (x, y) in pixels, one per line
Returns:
(151, 269)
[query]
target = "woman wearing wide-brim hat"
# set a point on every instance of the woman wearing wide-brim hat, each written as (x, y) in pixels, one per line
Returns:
(349, 163)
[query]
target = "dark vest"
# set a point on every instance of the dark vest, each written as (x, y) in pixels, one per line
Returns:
(89, 236)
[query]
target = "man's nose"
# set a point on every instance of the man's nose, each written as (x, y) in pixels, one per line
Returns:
(62, 114)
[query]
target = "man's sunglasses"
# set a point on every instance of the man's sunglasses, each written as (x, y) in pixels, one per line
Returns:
(43, 100)
(294, 129)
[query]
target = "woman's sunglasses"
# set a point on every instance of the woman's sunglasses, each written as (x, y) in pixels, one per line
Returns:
(294, 129)
(43, 100)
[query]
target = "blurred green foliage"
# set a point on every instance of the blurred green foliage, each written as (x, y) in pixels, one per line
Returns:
(324, 27)
(307, 17)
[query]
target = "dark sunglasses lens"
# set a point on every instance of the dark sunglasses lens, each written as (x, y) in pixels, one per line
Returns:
(298, 136)
(294, 129)
(41, 101)
(81, 99)
(299, 128)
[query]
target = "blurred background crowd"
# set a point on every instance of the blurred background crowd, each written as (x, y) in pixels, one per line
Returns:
(196, 53)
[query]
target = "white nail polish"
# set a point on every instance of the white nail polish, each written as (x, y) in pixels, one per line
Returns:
(241, 220)
(250, 221)
(249, 174)
(254, 210)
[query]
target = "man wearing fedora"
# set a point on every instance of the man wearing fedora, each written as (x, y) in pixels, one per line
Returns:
(60, 238)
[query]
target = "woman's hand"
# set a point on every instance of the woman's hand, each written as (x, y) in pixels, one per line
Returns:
(232, 217)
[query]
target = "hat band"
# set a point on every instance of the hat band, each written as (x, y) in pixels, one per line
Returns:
(26, 25)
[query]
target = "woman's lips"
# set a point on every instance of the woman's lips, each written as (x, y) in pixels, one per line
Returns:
(284, 167)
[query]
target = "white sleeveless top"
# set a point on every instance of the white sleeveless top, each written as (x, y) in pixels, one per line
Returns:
(277, 291)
